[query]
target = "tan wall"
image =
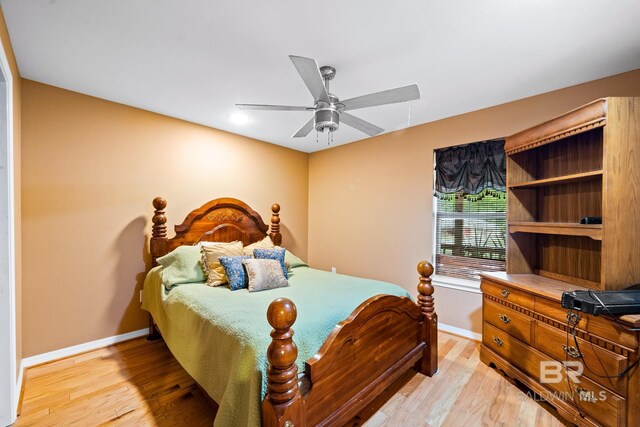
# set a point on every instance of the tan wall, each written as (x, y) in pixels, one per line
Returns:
(90, 170)
(8, 50)
(370, 202)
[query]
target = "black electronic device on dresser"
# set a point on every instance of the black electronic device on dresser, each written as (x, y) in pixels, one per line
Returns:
(603, 302)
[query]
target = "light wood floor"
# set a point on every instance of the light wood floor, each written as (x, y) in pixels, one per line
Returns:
(140, 383)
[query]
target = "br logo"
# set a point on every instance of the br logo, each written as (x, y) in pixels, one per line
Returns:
(551, 371)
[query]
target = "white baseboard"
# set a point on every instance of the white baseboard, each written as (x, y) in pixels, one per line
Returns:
(459, 331)
(80, 348)
(19, 385)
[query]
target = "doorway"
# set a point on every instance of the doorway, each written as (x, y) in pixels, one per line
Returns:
(8, 369)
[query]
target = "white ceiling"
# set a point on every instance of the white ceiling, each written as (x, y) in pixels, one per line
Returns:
(195, 59)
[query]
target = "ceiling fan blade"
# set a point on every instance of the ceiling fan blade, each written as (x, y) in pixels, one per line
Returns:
(391, 96)
(310, 73)
(304, 130)
(362, 125)
(272, 107)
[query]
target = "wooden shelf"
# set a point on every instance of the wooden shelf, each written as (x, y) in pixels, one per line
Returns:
(593, 231)
(558, 180)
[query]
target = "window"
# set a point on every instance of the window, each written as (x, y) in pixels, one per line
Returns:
(470, 209)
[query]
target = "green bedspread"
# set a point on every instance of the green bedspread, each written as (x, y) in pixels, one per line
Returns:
(221, 336)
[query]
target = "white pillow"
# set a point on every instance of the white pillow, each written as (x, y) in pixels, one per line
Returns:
(264, 274)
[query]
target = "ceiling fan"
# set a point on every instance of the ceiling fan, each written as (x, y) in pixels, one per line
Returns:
(328, 110)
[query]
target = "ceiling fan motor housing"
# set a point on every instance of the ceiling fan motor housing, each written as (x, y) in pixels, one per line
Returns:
(327, 115)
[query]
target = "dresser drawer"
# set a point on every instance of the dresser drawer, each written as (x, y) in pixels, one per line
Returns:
(511, 348)
(514, 323)
(593, 324)
(600, 361)
(507, 293)
(595, 400)
(599, 403)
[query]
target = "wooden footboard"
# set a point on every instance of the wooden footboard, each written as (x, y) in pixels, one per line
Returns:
(383, 338)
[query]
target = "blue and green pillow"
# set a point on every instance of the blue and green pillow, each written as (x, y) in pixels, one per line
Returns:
(276, 253)
(235, 271)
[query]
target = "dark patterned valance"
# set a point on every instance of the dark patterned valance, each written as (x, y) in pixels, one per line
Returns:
(471, 169)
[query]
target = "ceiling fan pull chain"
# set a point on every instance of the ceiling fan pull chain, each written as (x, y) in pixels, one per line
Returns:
(409, 117)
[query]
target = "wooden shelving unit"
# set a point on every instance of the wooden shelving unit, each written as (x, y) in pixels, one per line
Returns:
(583, 163)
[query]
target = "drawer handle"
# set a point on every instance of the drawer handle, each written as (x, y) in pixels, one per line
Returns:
(504, 318)
(571, 351)
(585, 395)
(505, 293)
(498, 341)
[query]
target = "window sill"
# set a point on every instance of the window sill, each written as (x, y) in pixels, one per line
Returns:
(458, 284)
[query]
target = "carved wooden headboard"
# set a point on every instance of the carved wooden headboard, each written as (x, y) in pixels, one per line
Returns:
(220, 220)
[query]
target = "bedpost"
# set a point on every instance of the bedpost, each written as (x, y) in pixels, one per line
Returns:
(283, 405)
(158, 248)
(158, 244)
(428, 365)
(274, 233)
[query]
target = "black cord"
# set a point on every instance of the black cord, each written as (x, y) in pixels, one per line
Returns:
(572, 328)
(570, 324)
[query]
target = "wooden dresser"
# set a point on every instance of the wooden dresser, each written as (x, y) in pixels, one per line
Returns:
(524, 325)
(585, 163)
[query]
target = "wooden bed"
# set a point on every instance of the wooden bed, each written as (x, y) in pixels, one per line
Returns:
(383, 338)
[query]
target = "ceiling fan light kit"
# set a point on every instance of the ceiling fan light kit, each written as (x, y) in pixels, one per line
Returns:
(328, 109)
(327, 115)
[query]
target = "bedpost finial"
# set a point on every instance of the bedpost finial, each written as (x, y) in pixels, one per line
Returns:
(282, 314)
(158, 244)
(159, 203)
(282, 375)
(159, 229)
(425, 288)
(425, 269)
(274, 233)
(159, 219)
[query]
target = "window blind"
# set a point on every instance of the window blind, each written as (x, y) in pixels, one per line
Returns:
(470, 235)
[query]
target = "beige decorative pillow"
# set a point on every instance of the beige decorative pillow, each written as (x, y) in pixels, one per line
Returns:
(211, 253)
(265, 243)
(264, 274)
